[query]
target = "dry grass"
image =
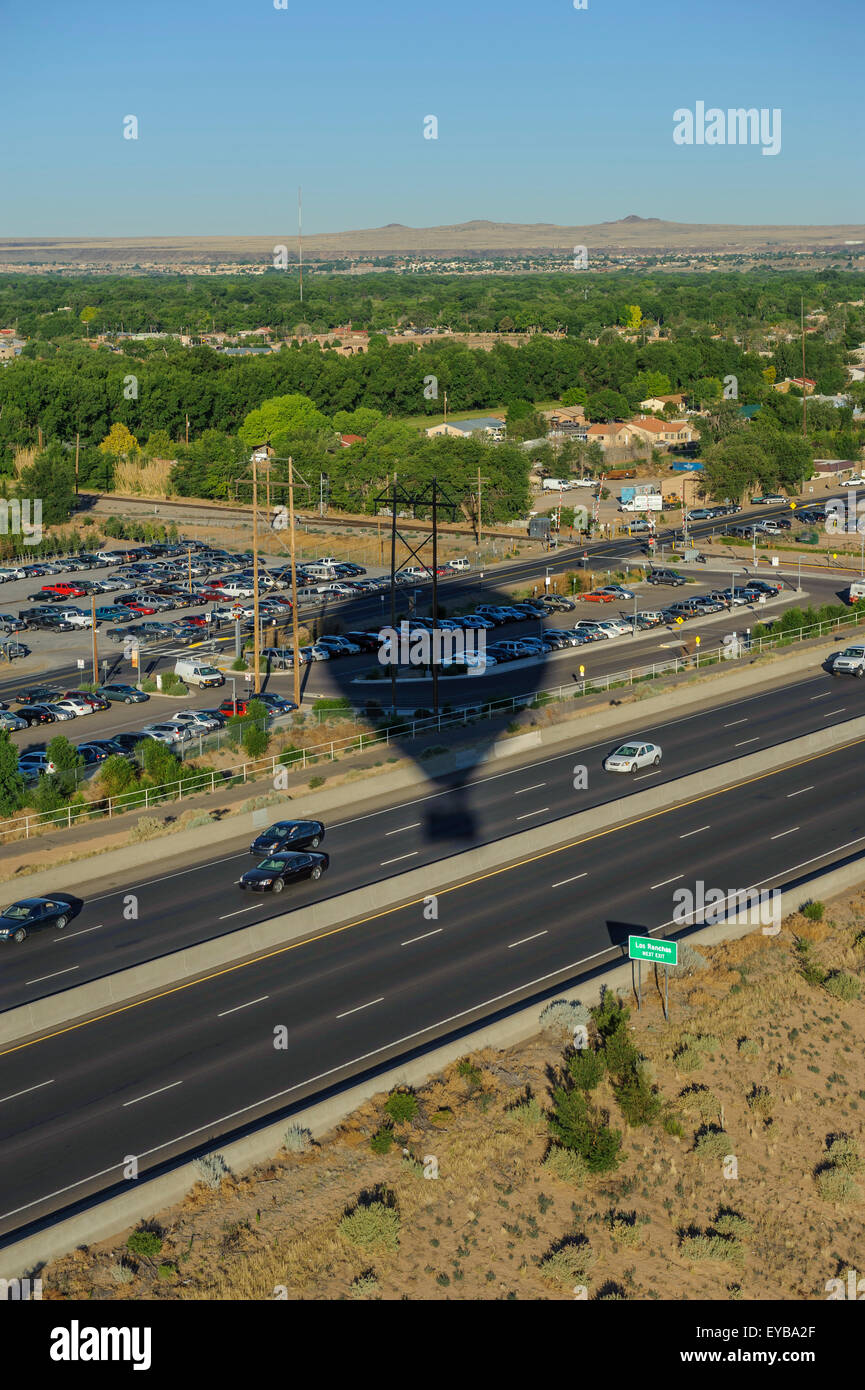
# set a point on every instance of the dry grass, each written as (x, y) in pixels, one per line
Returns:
(144, 479)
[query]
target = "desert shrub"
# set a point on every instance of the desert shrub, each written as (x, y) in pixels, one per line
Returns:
(690, 961)
(166, 1272)
(364, 1285)
(760, 1103)
(748, 1048)
(315, 783)
(702, 1101)
(146, 828)
(441, 1118)
(144, 1242)
(813, 911)
(620, 1053)
(569, 1263)
(838, 1187)
(624, 1228)
(382, 1141)
(706, 1042)
(566, 1014)
(712, 1143)
(402, 1107)
(711, 1247)
(611, 1015)
(212, 1168)
(468, 1071)
(586, 1069)
(372, 1223)
(566, 1165)
(842, 985)
(121, 1273)
(730, 1223)
(528, 1111)
(673, 1125)
(297, 1140)
(844, 1153)
(687, 1059)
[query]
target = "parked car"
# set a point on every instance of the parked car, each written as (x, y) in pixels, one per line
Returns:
(169, 734)
(196, 720)
(123, 694)
(630, 757)
(665, 576)
(36, 714)
(92, 753)
(273, 873)
(27, 915)
(11, 721)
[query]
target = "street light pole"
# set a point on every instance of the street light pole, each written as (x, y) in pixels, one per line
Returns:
(256, 629)
(295, 665)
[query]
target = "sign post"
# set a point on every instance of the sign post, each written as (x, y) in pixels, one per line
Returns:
(659, 952)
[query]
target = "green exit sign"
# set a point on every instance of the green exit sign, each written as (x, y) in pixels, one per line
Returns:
(654, 949)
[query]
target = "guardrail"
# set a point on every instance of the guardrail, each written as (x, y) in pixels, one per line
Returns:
(194, 783)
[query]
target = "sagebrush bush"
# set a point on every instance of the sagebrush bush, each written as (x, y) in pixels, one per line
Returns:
(212, 1168)
(844, 1153)
(382, 1141)
(838, 1187)
(363, 1286)
(372, 1223)
(566, 1165)
(566, 1014)
(712, 1143)
(711, 1247)
(730, 1223)
(569, 1263)
(761, 1103)
(813, 911)
(297, 1140)
(689, 962)
(122, 1273)
(586, 1069)
(842, 985)
(748, 1048)
(529, 1112)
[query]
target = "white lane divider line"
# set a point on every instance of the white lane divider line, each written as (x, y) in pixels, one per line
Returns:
(414, 825)
(734, 723)
(526, 939)
(158, 1092)
(755, 739)
(785, 832)
(357, 1010)
(52, 976)
(665, 882)
(426, 934)
(530, 789)
(248, 1005)
(824, 696)
(385, 862)
(16, 1094)
(833, 712)
(562, 881)
(239, 913)
(799, 792)
(698, 831)
(528, 814)
(68, 935)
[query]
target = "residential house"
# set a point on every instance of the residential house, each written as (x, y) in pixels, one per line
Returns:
(658, 402)
(664, 434)
(492, 425)
(346, 440)
(613, 435)
(784, 386)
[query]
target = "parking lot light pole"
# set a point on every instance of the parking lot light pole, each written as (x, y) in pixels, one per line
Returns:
(233, 680)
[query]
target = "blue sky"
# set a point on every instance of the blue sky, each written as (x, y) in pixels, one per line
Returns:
(546, 113)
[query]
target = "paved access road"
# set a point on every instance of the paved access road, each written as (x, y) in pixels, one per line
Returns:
(198, 1063)
(180, 902)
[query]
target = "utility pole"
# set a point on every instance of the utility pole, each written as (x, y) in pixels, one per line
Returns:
(256, 632)
(187, 429)
(189, 568)
(300, 237)
(93, 635)
(295, 663)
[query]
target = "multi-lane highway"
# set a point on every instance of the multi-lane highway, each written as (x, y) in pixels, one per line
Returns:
(193, 1065)
(182, 901)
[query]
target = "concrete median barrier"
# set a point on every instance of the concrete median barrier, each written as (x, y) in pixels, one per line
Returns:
(361, 905)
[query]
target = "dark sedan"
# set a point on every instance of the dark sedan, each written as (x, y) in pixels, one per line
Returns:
(35, 714)
(272, 874)
(127, 694)
(288, 835)
(19, 919)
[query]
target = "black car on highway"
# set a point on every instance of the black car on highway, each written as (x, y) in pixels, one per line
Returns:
(288, 834)
(19, 919)
(272, 874)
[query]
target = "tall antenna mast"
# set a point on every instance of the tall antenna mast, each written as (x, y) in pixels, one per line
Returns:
(300, 237)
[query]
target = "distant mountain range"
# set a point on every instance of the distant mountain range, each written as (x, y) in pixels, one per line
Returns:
(477, 239)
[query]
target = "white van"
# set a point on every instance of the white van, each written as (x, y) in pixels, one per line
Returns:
(856, 592)
(319, 571)
(555, 485)
(196, 672)
(460, 565)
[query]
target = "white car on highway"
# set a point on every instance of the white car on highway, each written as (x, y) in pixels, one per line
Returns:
(629, 757)
(851, 662)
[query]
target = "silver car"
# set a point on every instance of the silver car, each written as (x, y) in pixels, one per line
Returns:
(630, 757)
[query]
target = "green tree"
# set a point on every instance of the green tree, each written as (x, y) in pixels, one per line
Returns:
(11, 781)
